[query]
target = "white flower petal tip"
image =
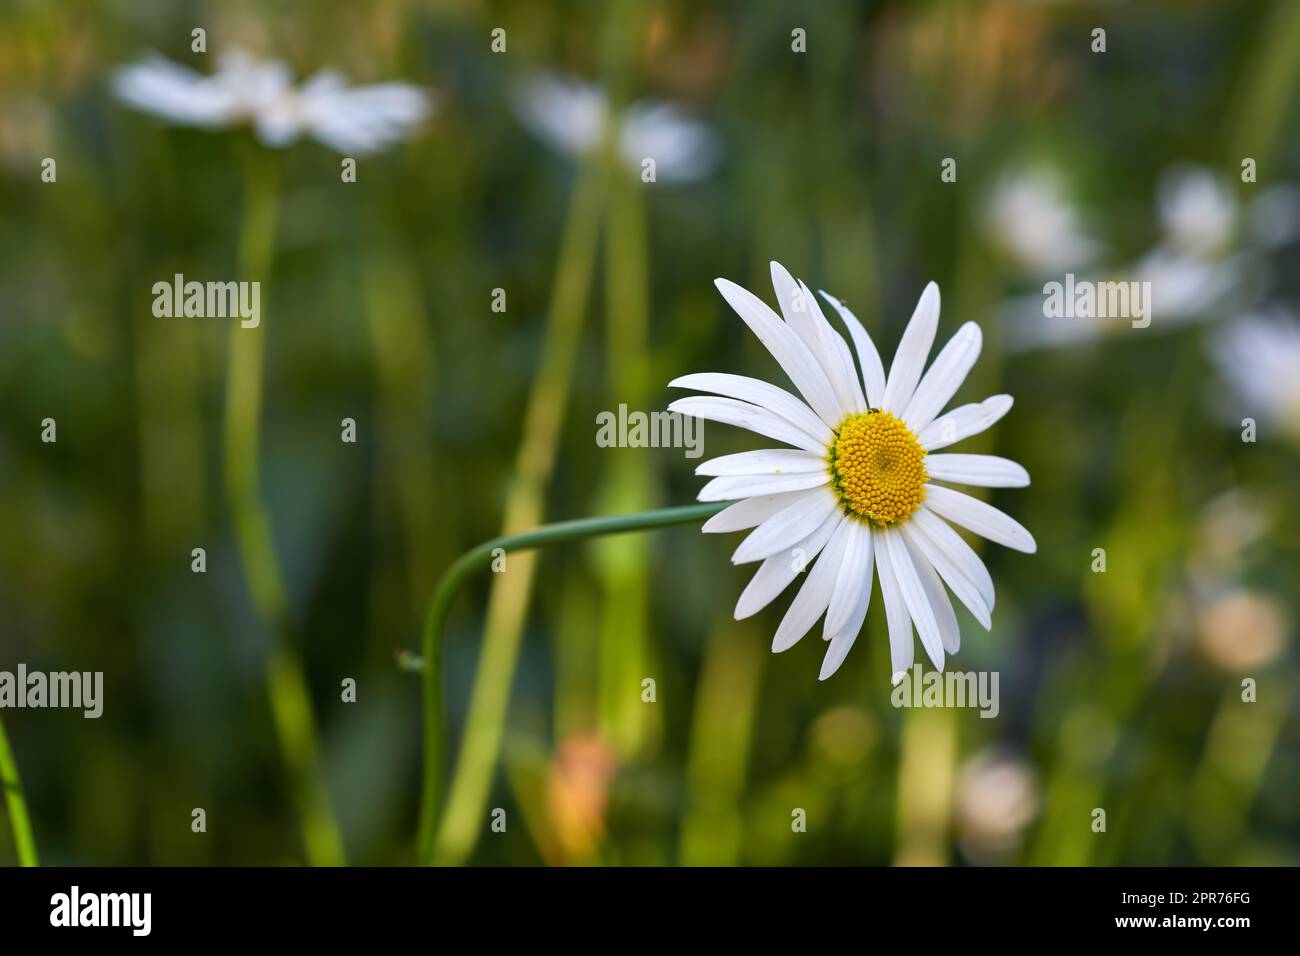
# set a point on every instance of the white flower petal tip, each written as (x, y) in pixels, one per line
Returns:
(963, 422)
(913, 350)
(988, 471)
(944, 377)
(835, 656)
(980, 518)
(898, 678)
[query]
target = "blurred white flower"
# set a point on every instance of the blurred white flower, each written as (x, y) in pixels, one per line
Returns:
(997, 797)
(351, 120)
(244, 90)
(1258, 357)
(1197, 265)
(1211, 255)
(575, 118)
(1033, 222)
(1198, 211)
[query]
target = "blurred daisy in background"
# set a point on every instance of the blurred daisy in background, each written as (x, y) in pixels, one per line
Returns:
(1212, 256)
(576, 119)
(245, 91)
(1035, 225)
(859, 486)
(1258, 358)
(1196, 265)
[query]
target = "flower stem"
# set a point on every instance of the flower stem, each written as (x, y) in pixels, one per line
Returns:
(286, 684)
(627, 485)
(436, 620)
(524, 509)
(19, 819)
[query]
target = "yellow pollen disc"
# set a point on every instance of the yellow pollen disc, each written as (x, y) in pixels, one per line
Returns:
(878, 467)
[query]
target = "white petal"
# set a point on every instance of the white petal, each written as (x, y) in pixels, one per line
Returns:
(944, 377)
(983, 519)
(900, 625)
(909, 583)
(931, 553)
(964, 559)
(175, 92)
(853, 584)
(913, 350)
(743, 415)
(775, 573)
(804, 315)
(949, 629)
(962, 422)
(987, 471)
(363, 119)
(815, 594)
(838, 356)
(768, 461)
(849, 600)
(760, 393)
(735, 487)
(873, 372)
(751, 512)
(787, 348)
(838, 650)
(785, 528)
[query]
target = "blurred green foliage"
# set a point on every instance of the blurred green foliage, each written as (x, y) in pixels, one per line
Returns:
(1120, 690)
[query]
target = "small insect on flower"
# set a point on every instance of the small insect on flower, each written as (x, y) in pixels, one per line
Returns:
(858, 488)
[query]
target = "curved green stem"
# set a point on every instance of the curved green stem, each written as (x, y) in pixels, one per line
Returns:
(435, 623)
(507, 602)
(24, 840)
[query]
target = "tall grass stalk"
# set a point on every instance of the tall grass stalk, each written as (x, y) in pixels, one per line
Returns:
(722, 731)
(286, 683)
(628, 482)
(404, 370)
(926, 771)
(459, 826)
(16, 800)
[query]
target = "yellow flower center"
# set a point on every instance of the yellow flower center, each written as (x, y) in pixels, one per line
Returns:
(878, 468)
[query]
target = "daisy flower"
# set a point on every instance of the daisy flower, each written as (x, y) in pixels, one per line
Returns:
(261, 94)
(1032, 220)
(860, 488)
(1257, 357)
(574, 118)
